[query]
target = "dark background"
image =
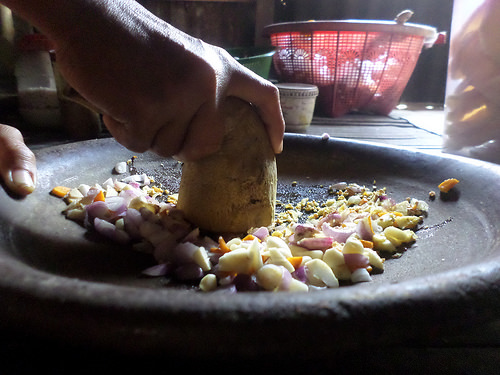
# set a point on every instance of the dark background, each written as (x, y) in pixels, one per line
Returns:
(233, 23)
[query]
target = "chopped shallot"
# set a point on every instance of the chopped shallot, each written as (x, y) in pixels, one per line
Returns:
(340, 243)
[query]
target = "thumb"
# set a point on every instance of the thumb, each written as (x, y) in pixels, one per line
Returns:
(17, 161)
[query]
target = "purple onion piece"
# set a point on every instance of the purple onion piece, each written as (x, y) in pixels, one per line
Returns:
(133, 220)
(110, 231)
(245, 283)
(207, 242)
(163, 251)
(214, 257)
(189, 272)
(339, 234)
(333, 219)
(355, 261)
(183, 253)
(192, 236)
(261, 233)
(229, 289)
(364, 230)
(157, 270)
(353, 216)
(99, 210)
(300, 274)
(304, 230)
(339, 186)
(175, 223)
(116, 205)
(92, 193)
(316, 243)
(128, 195)
(147, 214)
(286, 279)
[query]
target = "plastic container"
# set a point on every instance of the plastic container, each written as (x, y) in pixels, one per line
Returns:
(38, 100)
(357, 65)
(257, 59)
(297, 103)
(472, 104)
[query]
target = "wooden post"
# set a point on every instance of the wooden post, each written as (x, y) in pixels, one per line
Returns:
(264, 15)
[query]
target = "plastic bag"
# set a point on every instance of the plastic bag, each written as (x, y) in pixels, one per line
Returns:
(472, 125)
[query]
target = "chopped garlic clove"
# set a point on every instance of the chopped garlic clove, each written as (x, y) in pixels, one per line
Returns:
(353, 246)
(276, 257)
(380, 242)
(374, 259)
(361, 275)
(320, 274)
(398, 236)
(270, 276)
(333, 257)
(208, 283)
(298, 251)
(200, 257)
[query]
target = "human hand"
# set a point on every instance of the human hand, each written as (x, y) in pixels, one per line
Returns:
(17, 162)
(158, 88)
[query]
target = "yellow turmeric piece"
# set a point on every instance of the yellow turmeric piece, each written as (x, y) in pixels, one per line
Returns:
(447, 185)
(60, 191)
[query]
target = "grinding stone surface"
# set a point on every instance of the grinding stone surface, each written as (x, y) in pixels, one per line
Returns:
(82, 289)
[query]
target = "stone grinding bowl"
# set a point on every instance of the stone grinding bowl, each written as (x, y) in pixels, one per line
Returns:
(57, 280)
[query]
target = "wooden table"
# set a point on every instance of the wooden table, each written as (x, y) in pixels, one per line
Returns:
(409, 128)
(421, 129)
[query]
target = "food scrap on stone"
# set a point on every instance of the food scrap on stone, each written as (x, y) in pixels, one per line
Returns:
(447, 185)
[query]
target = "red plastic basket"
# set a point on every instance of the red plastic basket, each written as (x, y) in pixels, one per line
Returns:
(357, 65)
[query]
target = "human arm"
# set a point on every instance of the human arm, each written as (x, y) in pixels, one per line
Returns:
(158, 88)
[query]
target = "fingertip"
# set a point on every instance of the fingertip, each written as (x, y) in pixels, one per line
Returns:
(17, 162)
(279, 148)
(277, 133)
(272, 116)
(21, 181)
(275, 127)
